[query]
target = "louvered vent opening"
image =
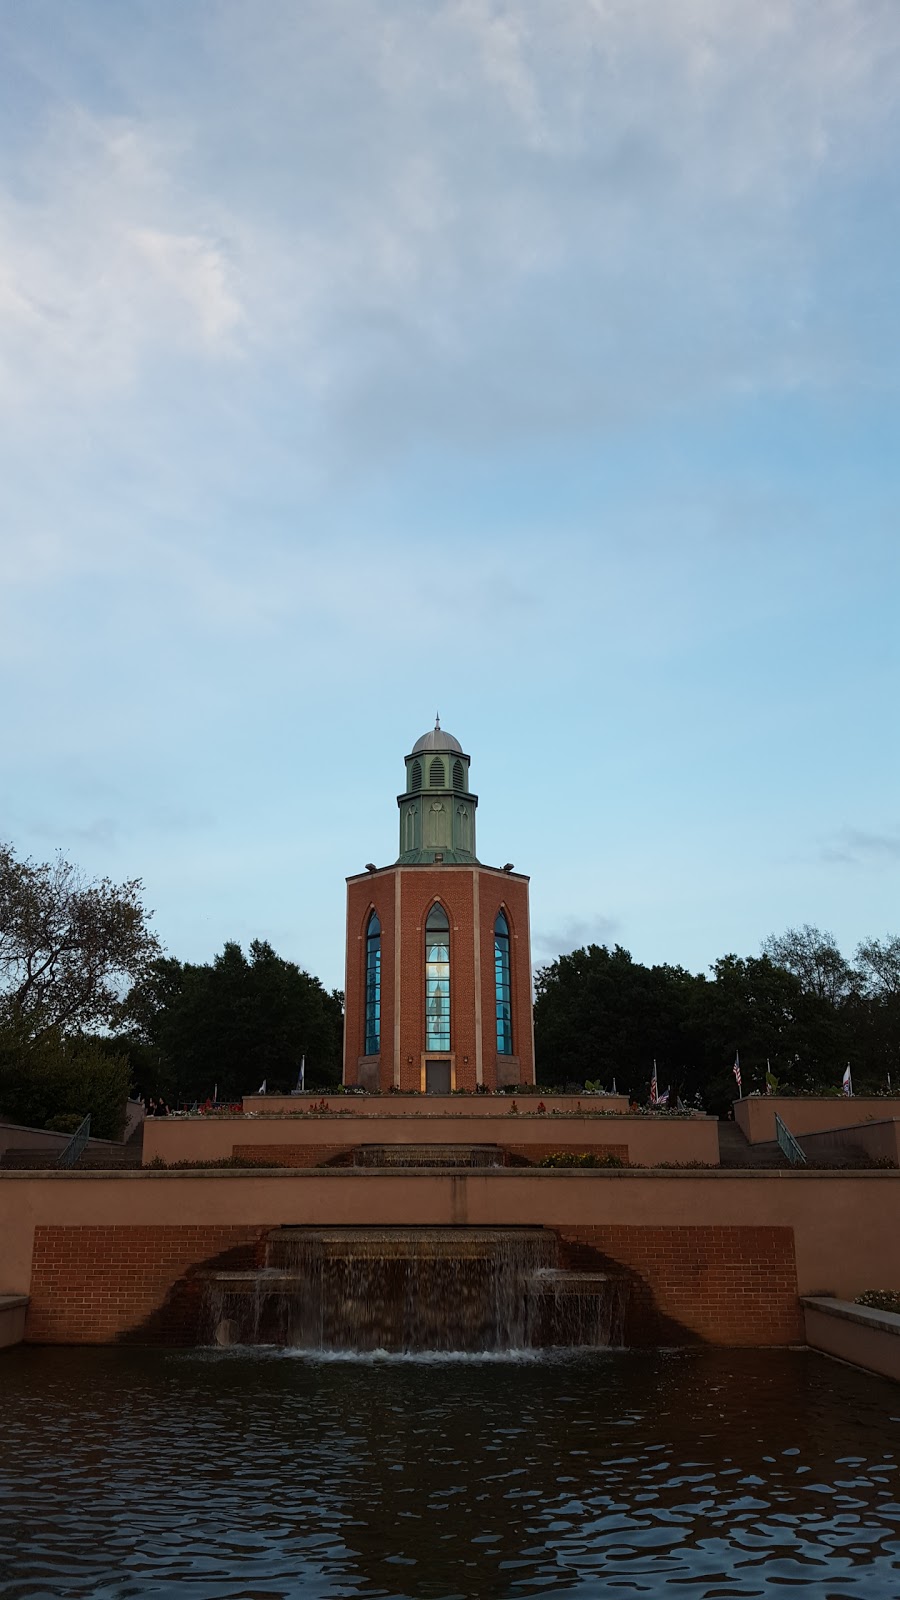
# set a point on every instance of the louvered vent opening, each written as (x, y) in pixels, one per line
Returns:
(436, 773)
(459, 777)
(415, 781)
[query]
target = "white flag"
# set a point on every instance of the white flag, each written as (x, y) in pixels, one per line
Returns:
(301, 1076)
(262, 1087)
(847, 1081)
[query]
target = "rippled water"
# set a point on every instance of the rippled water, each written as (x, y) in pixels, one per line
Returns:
(707, 1476)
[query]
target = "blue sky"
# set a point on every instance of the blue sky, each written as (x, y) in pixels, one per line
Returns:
(534, 362)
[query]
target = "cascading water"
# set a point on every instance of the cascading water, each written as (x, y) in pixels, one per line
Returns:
(413, 1289)
(428, 1155)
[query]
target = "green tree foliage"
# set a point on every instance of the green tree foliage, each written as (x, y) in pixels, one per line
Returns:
(232, 1023)
(799, 1005)
(69, 946)
(55, 1081)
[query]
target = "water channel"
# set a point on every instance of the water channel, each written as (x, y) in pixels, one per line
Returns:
(236, 1475)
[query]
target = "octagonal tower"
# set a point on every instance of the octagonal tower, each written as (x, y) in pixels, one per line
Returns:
(438, 976)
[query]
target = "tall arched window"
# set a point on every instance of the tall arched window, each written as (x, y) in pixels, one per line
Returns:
(501, 986)
(373, 986)
(437, 980)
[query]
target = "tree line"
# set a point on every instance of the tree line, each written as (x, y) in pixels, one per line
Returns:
(800, 1006)
(91, 1008)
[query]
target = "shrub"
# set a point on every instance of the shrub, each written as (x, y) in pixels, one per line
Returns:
(880, 1299)
(588, 1159)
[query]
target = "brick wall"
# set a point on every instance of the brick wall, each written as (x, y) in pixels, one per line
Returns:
(108, 1284)
(532, 1154)
(100, 1285)
(290, 1155)
(733, 1286)
(455, 887)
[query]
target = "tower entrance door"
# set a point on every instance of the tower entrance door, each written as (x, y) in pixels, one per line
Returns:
(437, 1077)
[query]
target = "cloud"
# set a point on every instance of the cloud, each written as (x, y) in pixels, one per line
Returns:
(575, 934)
(466, 218)
(859, 847)
(100, 276)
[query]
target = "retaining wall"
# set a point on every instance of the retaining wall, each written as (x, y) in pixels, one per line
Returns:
(755, 1115)
(720, 1256)
(422, 1105)
(857, 1334)
(312, 1140)
(880, 1141)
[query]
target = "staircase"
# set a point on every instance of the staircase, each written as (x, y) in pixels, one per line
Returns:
(735, 1150)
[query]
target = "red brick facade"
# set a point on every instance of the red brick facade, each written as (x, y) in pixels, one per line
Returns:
(734, 1286)
(724, 1285)
(471, 897)
(98, 1285)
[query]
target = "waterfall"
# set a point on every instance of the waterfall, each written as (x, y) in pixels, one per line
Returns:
(412, 1289)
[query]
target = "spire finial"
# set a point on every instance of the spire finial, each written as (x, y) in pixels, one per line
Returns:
(437, 721)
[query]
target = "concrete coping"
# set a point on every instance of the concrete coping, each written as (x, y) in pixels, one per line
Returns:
(12, 1302)
(338, 1113)
(863, 1316)
(710, 1174)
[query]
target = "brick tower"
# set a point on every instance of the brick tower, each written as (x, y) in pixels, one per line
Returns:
(438, 985)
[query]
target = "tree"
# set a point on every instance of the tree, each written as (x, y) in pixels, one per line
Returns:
(600, 1014)
(814, 958)
(55, 1081)
(232, 1023)
(68, 944)
(878, 966)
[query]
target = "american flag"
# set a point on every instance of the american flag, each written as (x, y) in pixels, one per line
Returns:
(654, 1088)
(736, 1069)
(847, 1081)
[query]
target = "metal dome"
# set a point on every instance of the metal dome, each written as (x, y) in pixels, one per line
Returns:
(437, 740)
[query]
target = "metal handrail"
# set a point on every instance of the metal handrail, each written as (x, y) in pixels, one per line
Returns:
(788, 1144)
(76, 1145)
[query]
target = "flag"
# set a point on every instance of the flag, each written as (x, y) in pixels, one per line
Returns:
(301, 1076)
(262, 1087)
(663, 1099)
(654, 1090)
(736, 1069)
(771, 1080)
(847, 1081)
(615, 1090)
(216, 1095)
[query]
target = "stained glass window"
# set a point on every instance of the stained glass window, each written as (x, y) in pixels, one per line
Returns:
(437, 980)
(373, 986)
(501, 986)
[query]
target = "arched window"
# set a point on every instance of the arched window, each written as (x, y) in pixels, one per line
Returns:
(415, 781)
(410, 827)
(459, 778)
(437, 980)
(373, 986)
(501, 986)
(436, 773)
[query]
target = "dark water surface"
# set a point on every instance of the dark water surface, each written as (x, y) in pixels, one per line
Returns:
(707, 1476)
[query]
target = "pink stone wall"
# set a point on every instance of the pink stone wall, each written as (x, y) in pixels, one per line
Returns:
(755, 1115)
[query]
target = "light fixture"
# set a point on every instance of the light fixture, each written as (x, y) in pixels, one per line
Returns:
(371, 867)
(508, 866)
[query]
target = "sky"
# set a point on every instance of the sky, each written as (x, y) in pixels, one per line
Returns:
(534, 363)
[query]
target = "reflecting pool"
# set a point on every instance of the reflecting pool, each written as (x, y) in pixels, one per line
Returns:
(704, 1475)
